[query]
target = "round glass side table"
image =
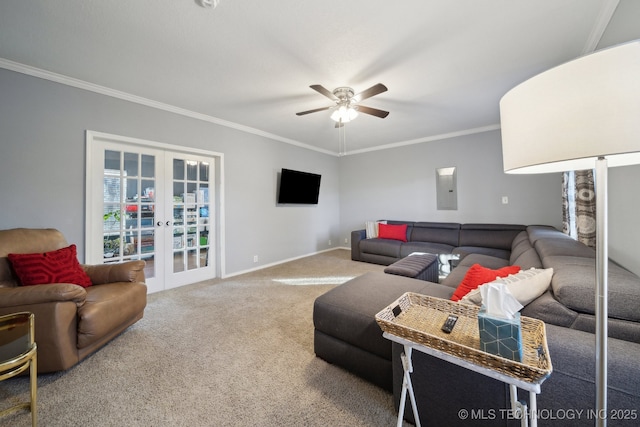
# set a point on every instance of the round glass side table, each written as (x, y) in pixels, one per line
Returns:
(17, 354)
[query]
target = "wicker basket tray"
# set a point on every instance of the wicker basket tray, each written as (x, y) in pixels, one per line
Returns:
(418, 318)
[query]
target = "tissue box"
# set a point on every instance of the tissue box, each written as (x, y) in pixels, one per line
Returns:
(502, 337)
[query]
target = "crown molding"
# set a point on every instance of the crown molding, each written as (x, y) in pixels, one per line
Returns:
(432, 138)
(102, 90)
(607, 10)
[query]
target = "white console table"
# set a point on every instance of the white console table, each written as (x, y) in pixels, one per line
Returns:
(415, 322)
(519, 409)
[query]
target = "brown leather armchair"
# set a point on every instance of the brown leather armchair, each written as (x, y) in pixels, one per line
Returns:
(71, 321)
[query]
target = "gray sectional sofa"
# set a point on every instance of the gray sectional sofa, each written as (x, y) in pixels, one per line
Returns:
(437, 238)
(347, 335)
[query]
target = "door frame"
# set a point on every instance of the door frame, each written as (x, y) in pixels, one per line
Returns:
(92, 224)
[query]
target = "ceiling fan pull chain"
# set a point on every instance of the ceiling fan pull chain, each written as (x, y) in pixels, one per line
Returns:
(344, 134)
(342, 141)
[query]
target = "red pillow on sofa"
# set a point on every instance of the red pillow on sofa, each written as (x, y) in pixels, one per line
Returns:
(394, 232)
(59, 266)
(478, 275)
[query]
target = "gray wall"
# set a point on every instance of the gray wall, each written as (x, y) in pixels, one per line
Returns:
(42, 169)
(624, 205)
(400, 183)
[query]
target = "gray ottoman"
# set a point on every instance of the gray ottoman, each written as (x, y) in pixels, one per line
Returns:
(420, 266)
(345, 330)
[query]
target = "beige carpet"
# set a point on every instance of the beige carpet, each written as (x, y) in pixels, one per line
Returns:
(234, 352)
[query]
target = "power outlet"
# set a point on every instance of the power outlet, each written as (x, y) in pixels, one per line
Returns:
(346, 240)
(329, 242)
(255, 258)
(505, 200)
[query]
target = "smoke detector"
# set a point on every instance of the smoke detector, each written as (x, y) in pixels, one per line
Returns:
(209, 3)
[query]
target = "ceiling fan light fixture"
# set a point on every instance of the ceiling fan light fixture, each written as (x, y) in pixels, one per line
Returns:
(346, 106)
(344, 114)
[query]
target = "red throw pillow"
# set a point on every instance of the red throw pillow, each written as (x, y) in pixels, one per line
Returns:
(394, 232)
(59, 266)
(478, 275)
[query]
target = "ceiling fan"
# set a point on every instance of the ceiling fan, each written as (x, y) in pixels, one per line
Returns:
(346, 103)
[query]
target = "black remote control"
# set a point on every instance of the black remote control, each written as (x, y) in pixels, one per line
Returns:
(449, 323)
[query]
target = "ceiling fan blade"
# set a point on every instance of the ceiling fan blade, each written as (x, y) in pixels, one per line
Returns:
(302, 113)
(373, 111)
(372, 91)
(324, 91)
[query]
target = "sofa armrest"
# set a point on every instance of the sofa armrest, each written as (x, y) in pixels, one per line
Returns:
(356, 236)
(39, 294)
(130, 271)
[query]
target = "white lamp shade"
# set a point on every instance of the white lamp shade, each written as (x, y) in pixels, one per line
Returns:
(567, 117)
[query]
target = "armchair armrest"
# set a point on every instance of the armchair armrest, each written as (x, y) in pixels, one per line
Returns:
(38, 294)
(130, 271)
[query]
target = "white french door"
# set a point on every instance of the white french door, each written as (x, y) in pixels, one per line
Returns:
(188, 219)
(153, 204)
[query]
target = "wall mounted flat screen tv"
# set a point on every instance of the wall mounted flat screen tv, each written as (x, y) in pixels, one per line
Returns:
(302, 188)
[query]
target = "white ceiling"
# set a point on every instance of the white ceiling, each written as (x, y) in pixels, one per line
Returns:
(249, 63)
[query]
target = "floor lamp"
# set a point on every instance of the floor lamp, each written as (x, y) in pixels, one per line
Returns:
(583, 114)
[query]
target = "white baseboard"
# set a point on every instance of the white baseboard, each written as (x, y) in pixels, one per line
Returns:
(263, 266)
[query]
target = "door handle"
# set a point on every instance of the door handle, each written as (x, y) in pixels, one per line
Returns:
(159, 223)
(168, 223)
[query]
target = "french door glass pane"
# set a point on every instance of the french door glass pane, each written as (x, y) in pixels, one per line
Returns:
(129, 208)
(131, 164)
(190, 214)
(178, 262)
(204, 171)
(192, 171)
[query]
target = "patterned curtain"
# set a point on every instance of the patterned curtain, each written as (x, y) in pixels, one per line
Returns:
(579, 206)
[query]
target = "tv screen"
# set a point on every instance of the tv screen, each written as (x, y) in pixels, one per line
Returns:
(298, 187)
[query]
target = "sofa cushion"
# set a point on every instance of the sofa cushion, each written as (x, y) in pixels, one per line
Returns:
(574, 286)
(548, 309)
(494, 252)
(522, 236)
(572, 383)
(484, 260)
(59, 266)
(537, 232)
(457, 274)
(446, 233)
(499, 236)
(521, 244)
(347, 312)
(478, 275)
(385, 247)
(563, 247)
(616, 328)
(525, 286)
(394, 232)
(527, 259)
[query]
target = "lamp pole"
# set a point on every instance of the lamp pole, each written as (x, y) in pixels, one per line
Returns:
(601, 290)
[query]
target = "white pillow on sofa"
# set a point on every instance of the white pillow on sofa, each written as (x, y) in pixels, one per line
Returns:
(525, 286)
(371, 228)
